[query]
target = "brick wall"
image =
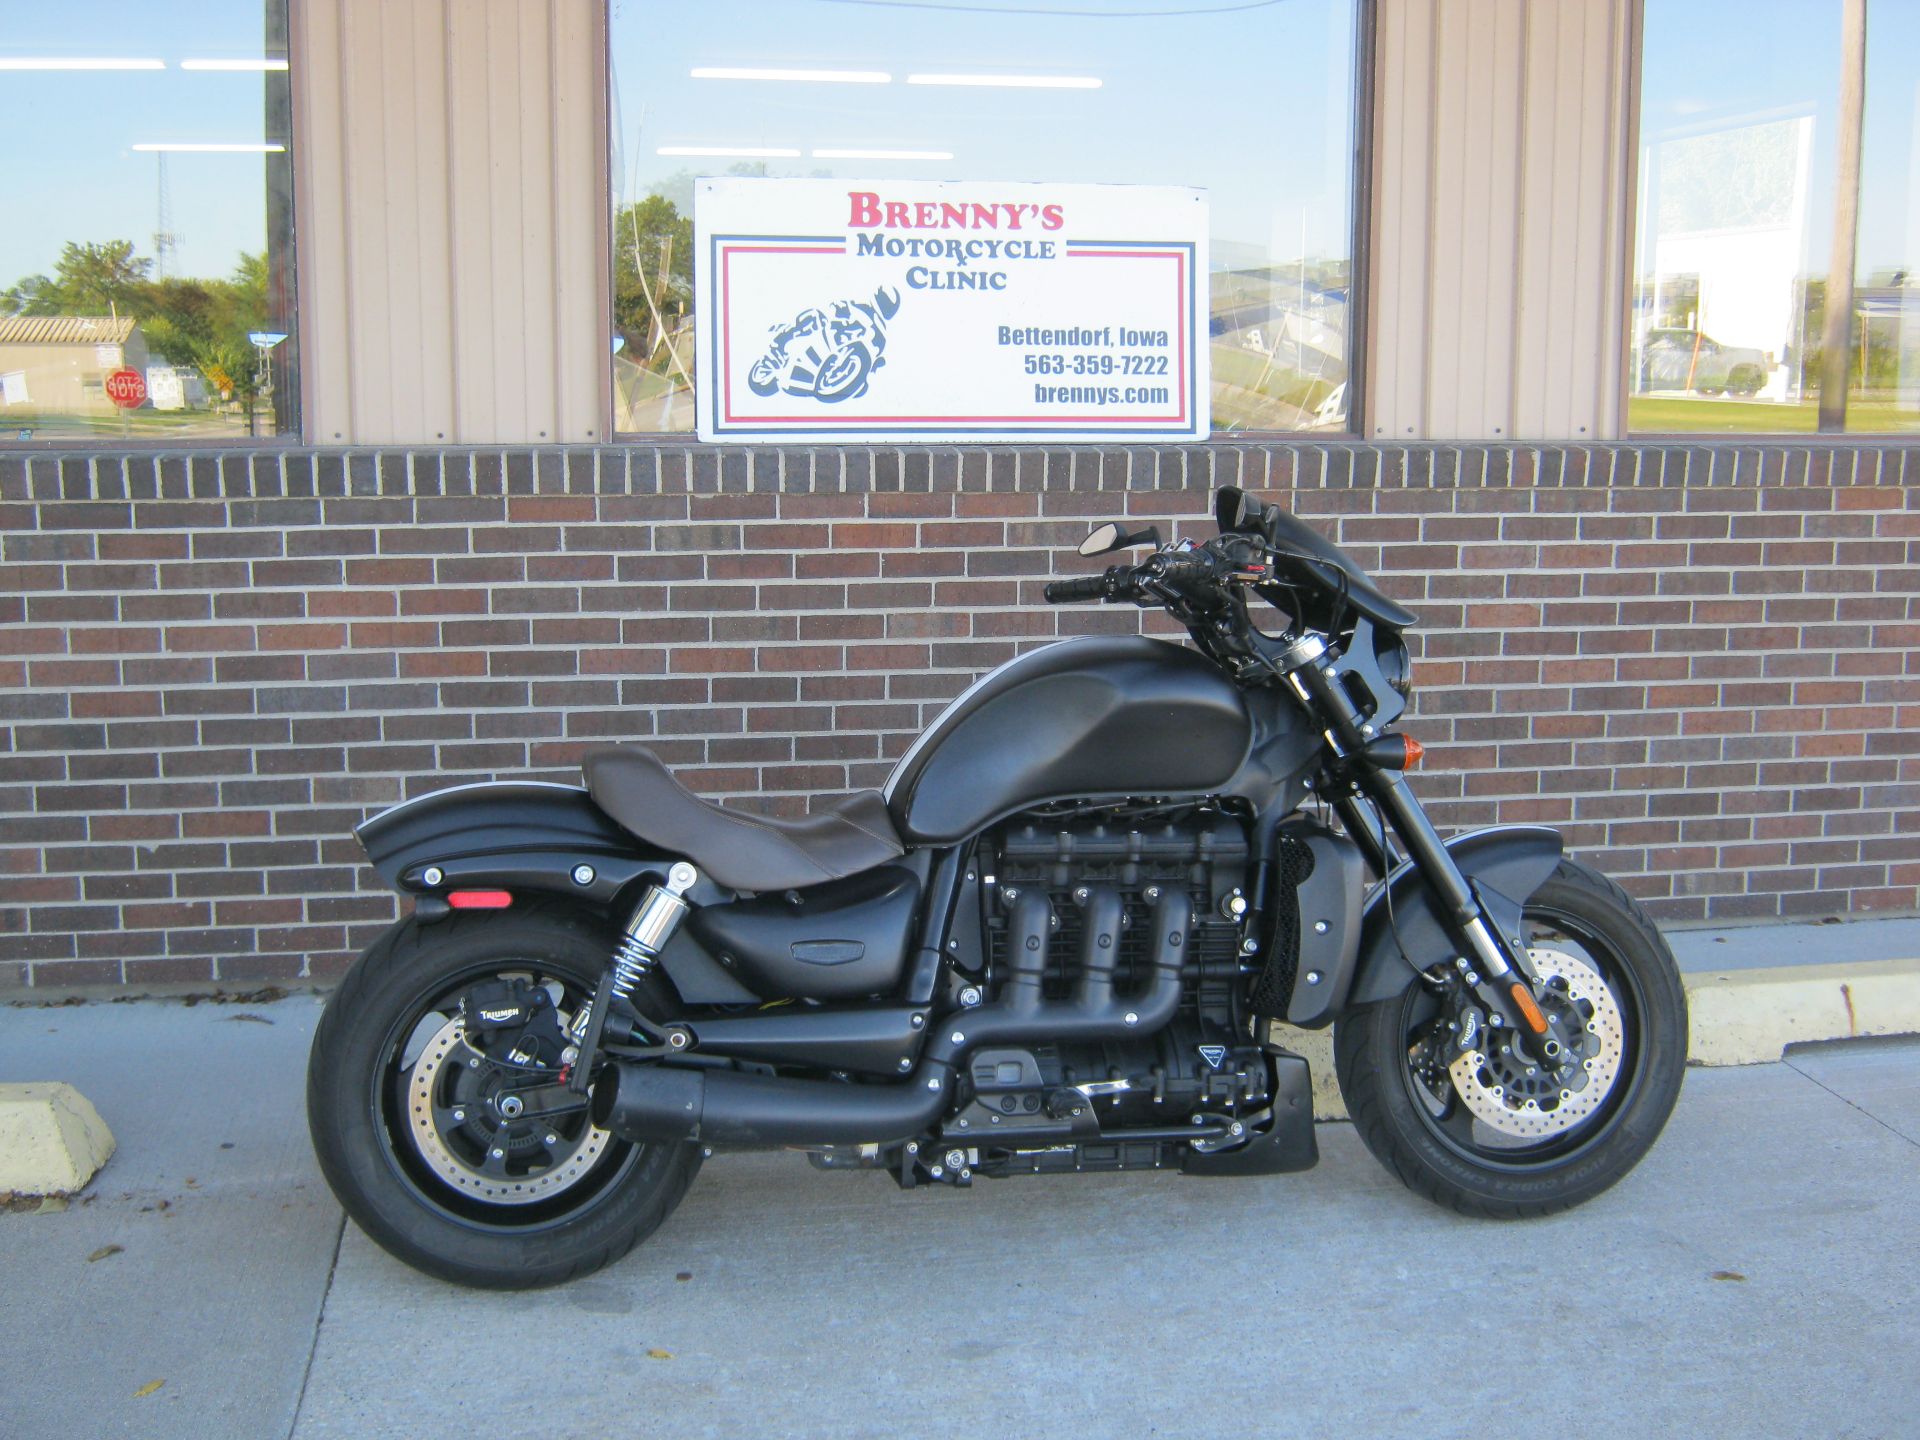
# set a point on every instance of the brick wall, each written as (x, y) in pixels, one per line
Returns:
(1703, 662)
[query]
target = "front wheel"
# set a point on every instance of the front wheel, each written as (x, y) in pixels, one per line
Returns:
(419, 1125)
(1475, 1122)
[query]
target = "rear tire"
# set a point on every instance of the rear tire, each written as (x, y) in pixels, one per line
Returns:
(405, 1194)
(1401, 1119)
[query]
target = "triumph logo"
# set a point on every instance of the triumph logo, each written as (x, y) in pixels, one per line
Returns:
(1213, 1055)
(500, 1016)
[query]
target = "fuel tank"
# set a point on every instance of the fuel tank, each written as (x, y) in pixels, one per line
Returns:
(1097, 715)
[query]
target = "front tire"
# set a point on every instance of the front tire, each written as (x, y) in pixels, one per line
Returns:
(513, 1207)
(1424, 1129)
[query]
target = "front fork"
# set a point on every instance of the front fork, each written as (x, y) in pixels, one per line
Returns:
(1498, 975)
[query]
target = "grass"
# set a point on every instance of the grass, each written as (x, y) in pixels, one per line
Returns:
(142, 424)
(1659, 415)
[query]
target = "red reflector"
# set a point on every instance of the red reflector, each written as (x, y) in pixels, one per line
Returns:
(479, 899)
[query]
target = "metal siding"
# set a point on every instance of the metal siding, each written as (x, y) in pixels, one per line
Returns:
(1397, 252)
(1500, 235)
(580, 328)
(325, 294)
(451, 164)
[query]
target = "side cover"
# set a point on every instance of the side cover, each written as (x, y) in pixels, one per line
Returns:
(1098, 715)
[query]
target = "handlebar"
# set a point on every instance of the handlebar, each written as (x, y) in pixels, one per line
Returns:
(1192, 575)
(1088, 587)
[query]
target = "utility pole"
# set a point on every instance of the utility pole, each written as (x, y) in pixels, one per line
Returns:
(1836, 334)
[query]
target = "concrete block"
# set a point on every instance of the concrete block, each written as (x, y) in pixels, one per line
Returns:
(1749, 1017)
(52, 1140)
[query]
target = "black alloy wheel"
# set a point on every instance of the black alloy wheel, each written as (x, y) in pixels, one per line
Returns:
(420, 1127)
(1485, 1127)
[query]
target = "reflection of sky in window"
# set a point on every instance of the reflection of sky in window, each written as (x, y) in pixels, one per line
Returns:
(1714, 64)
(68, 170)
(1253, 104)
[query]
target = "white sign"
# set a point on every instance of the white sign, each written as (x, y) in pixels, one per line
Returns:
(164, 388)
(928, 311)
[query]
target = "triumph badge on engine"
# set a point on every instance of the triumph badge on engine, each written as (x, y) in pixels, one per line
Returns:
(1214, 1055)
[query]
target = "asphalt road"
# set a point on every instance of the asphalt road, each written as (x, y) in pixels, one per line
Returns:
(1756, 1277)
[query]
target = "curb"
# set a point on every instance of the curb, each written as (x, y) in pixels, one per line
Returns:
(52, 1140)
(1735, 1017)
(1749, 1017)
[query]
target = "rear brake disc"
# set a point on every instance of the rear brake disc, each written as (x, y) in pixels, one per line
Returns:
(433, 1116)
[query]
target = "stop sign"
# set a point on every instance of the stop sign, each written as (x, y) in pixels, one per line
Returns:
(126, 389)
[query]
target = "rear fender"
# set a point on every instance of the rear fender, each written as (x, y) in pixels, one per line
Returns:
(519, 836)
(1401, 929)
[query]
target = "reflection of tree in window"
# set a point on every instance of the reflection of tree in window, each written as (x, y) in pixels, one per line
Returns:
(199, 324)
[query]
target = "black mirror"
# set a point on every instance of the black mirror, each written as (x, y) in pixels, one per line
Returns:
(1111, 537)
(1234, 509)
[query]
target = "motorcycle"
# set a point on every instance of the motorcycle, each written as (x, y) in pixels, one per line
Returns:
(827, 355)
(1056, 941)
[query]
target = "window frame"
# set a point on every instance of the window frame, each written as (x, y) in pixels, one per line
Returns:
(1359, 274)
(284, 92)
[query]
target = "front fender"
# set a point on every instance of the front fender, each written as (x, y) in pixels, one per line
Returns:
(1505, 864)
(522, 835)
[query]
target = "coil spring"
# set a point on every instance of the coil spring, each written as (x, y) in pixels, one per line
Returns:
(632, 963)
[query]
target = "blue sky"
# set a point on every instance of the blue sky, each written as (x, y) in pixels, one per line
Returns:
(1712, 63)
(67, 169)
(1250, 101)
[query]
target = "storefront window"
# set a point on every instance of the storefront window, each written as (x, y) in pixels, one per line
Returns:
(1253, 104)
(146, 258)
(1739, 173)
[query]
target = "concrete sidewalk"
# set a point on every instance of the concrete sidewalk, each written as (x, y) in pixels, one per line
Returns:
(834, 1305)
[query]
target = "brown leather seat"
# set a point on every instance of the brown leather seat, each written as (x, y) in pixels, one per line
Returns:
(741, 851)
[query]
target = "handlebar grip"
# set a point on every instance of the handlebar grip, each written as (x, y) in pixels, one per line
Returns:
(1189, 576)
(1088, 587)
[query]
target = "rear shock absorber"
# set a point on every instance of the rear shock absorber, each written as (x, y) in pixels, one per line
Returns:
(650, 927)
(647, 932)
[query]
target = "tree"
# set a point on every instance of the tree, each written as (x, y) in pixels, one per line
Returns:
(99, 279)
(33, 295)
(653, 260)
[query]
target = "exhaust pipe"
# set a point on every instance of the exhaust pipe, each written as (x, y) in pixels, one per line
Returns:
(731, 1107)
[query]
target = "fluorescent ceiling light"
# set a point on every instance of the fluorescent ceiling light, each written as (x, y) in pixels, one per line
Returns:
(247, 147)
(1013, 82)
(760, 152)
(258, 63)
(26, 62)
(883, 154)
(818, 77)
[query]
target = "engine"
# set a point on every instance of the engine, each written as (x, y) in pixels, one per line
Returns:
(1129, 1103)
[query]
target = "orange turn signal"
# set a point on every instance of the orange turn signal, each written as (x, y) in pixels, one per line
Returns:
(1530, 1012)
(1416, 752)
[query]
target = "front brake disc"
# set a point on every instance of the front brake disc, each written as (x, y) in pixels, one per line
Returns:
(1491, 1083)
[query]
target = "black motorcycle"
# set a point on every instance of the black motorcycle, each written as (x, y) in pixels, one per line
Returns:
(1055, 941)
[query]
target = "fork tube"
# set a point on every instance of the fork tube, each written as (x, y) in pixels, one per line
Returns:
(1348, 733)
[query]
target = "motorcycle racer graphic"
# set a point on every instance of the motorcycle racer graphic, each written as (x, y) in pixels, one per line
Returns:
(827, 355)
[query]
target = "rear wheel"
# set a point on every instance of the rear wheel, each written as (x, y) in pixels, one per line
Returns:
(1486, 1129)
(420, 1127)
